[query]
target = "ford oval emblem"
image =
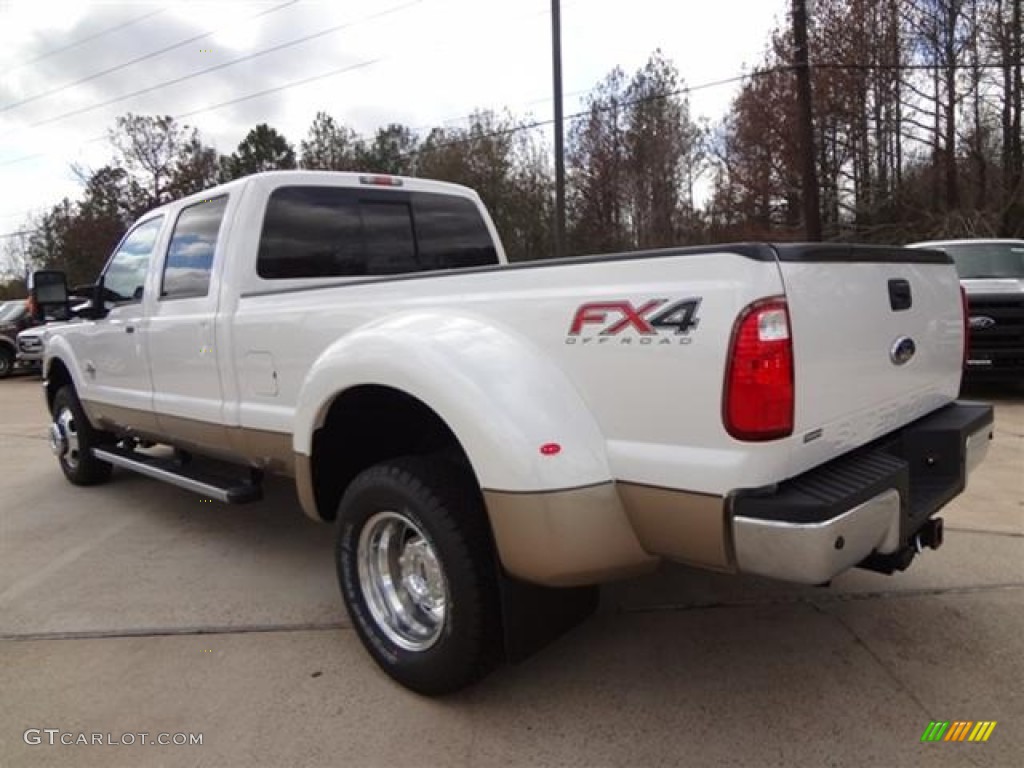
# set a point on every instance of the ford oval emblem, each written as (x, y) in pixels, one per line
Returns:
(981, 322)
(902, 350)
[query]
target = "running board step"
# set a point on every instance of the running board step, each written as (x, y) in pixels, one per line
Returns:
(191, 478)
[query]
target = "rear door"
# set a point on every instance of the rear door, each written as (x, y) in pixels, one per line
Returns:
(187, 393)
(877, 341)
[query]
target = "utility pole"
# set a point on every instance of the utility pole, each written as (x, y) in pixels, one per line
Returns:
(556, 66)
(805, 123)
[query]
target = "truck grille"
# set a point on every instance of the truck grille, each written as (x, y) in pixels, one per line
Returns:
(31, 344)
(1001, 343)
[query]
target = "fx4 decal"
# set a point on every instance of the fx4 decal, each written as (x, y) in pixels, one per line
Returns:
(655, 321)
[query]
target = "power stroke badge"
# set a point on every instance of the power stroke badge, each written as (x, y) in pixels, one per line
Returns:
(652, 321)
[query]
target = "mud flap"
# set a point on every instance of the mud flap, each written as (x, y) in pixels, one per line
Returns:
(534, 617)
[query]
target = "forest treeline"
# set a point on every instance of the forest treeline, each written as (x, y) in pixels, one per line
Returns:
(917, 134)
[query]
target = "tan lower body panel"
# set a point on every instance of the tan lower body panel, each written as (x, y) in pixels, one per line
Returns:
(558, 538)
(304, 486)
(682, 526)
(566, 538)
(109, 416)
(271, 451)
(605, 532)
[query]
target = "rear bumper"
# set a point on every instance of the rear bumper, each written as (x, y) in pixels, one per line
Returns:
(865, 508)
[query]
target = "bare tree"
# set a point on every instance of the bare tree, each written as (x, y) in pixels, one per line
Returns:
(150, 148)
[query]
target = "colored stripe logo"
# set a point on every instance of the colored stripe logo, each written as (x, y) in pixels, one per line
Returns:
(958, 730)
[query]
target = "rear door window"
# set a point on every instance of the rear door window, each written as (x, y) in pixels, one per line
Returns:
(190, 253)
(311, 232)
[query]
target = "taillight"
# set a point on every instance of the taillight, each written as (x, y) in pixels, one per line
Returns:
(967, 326)
(758, 398)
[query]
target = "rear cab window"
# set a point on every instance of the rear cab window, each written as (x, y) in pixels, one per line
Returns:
(312, 231)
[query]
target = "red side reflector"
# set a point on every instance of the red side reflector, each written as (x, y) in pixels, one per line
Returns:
(758, 398)
(550, 449)
(381, 181)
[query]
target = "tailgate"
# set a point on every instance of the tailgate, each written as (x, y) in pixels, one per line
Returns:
(877, 342)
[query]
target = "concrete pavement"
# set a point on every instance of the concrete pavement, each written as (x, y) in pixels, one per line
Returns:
(136, 607)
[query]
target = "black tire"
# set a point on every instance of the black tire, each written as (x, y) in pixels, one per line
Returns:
(6, 361)
(440, 499)
(80, 467)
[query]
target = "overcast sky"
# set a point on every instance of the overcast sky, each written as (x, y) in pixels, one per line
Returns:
(417, 62)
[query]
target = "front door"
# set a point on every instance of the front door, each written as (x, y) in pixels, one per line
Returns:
(116, 381)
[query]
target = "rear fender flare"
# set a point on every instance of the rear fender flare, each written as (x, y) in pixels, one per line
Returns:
(502, 397)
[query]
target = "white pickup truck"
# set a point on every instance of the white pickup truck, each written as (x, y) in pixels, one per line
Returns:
(495, 439)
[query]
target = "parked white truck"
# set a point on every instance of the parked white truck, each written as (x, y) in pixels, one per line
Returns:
(495, 439)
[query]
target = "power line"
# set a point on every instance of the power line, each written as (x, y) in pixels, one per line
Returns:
(229, 102)
(490, 134)
(175, 81)
(445, 122)
(906, 67)
(295, 84)
(18, 233)
(605, 108)
(88, 38)
(216, 67)
(456, 142)
(444, 145)
(125, 65)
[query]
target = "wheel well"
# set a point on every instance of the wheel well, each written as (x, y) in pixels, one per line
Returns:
(57, 376)
(366, 425)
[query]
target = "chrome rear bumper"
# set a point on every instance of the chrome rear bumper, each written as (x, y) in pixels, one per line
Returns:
(866, 509)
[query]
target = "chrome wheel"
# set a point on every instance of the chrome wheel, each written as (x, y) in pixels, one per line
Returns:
(402, 581)
(64, 438)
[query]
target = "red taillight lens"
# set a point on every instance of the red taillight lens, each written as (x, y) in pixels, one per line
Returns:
(758, 400)
(967, 326)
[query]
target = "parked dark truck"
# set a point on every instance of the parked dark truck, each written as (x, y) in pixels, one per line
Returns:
(992, 274)
(15, 316)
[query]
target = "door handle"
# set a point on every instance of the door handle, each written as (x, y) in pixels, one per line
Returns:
(129, 329)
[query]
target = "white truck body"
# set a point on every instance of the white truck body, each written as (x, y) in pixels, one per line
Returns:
(587, 395)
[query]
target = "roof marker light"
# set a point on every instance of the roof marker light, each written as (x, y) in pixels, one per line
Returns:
(381, 181)
(550, 449)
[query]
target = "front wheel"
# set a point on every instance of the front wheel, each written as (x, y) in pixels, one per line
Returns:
(6, 361)
(72, 439)
(416, 568)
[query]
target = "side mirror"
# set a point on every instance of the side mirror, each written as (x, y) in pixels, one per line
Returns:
(48, 291)
(96, 295)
